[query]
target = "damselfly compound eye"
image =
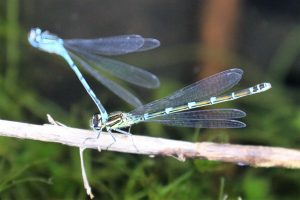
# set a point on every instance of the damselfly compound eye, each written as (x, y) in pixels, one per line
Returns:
(96, 121)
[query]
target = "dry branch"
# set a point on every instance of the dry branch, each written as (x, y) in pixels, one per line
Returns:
(257, 156)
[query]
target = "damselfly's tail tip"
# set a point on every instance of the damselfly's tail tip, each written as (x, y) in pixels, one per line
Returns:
(266, 86)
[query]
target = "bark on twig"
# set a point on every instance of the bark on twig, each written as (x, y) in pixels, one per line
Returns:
(257, 156)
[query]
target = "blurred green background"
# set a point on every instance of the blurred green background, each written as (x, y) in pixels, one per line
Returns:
(198, 38)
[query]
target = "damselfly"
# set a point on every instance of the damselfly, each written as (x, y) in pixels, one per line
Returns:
(87, 53)
(169, 110)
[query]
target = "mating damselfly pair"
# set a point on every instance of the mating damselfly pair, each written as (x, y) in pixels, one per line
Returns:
(175, 110)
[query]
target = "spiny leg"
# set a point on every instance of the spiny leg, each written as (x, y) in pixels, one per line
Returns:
(98, 137)
(98, 132)
(127, 134)
(109, 131)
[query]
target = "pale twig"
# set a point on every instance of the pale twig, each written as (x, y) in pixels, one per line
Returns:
(257, 156)
(86, 184)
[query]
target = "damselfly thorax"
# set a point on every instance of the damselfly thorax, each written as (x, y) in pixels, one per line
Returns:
(115, 120)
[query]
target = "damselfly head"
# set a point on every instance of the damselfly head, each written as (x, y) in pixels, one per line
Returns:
(44, 40)
(96, 122)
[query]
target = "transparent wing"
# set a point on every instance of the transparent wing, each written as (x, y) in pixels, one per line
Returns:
(201, 90)
(116, 45)
(115, 88)
(122, 70)
(202, 123)
(149, 43)
(205, 115)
